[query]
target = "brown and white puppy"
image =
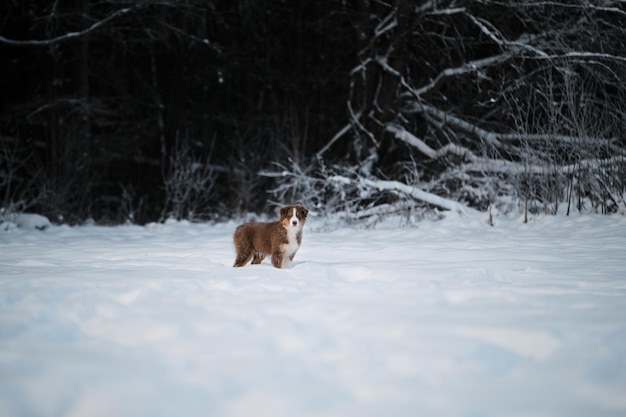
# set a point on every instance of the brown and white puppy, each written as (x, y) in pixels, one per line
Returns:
(280, 239)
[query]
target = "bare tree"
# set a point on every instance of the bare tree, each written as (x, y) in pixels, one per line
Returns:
(491, 98)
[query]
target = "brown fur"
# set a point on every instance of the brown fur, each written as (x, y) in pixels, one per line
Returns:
(256, 240)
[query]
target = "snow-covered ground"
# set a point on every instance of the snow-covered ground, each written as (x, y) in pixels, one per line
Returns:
(452, 318)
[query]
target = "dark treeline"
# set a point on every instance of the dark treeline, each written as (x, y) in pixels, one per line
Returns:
(144, 110)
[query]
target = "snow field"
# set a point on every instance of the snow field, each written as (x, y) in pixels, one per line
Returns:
(453, 318)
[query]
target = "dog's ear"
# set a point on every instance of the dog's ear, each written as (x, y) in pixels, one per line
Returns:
(304, 212)
(284, 212)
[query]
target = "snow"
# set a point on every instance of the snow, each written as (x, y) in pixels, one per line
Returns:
(452, 318)
(24, 221)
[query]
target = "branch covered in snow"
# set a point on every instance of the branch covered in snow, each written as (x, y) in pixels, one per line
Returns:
(418, 194)
(483, 164)
(466, 68)
(493, 138)
(515, 168)
(414, 141)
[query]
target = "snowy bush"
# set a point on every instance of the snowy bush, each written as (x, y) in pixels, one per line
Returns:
(188, 185)
(10, 220)
(347, 195)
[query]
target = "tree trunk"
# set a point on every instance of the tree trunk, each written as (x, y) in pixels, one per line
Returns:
(382, 59)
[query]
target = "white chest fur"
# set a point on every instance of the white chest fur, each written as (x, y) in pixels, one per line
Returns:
(293, 245)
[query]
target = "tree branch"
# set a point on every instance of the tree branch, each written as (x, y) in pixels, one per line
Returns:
(418, 194)
(517, 168)
(495, 138)
(584, 56)
(69, 35)
(466, 68)
(334, 139)
(450, 148)
(480, 164)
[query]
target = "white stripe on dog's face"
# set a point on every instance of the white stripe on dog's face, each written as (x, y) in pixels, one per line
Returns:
(294, 221)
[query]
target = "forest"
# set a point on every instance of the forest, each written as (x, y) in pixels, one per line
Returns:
(145, 110)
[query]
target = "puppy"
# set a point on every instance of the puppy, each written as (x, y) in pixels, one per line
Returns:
(280, 239)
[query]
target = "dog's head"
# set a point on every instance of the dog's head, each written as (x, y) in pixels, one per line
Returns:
(293, 216)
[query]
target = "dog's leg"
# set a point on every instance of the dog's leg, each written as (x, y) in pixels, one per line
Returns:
(243, 256)
(277, 259)
(257, 258)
